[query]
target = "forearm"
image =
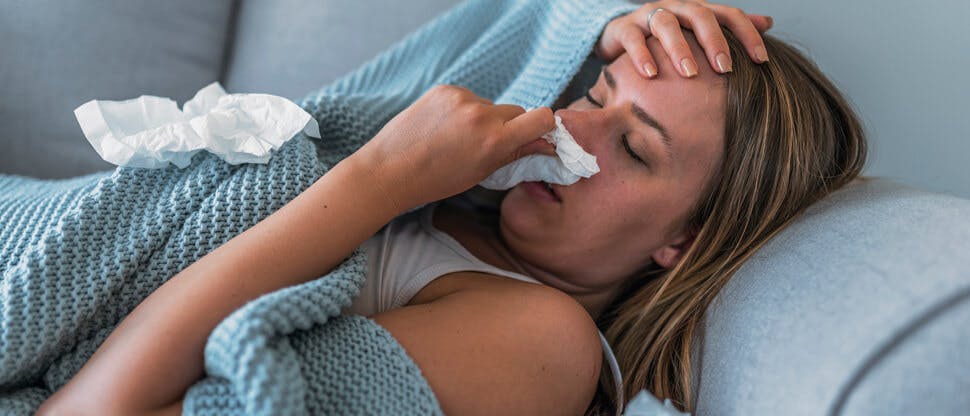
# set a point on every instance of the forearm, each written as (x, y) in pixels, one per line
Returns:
(156, 353)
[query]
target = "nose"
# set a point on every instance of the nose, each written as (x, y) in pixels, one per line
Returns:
(589, 127)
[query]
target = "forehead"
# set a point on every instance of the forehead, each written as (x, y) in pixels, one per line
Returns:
(691, 109)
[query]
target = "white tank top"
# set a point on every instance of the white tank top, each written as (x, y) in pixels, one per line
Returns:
(408, 253)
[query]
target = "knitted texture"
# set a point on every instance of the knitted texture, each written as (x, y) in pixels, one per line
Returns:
(77, 255)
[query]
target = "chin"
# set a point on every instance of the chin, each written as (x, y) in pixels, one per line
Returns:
(524, 219)
(519, 210)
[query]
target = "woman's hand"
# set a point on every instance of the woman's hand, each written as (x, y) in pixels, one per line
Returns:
(448, 141)
(629, 32)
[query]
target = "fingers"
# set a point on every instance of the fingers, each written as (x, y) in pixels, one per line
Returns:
(761, 22)
(634, 42)
(744, 29)
(666, 27)
(608, 46)
(508, 111)
(537, 146)
(528, 126)
(702, 21)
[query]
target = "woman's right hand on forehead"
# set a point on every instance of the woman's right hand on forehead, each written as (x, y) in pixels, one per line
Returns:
(448, 141)
(628, 34)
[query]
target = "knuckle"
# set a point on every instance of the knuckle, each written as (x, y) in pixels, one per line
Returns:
(458, 96)
(707, 15)
(735, 12)
(440, 89)
(694, 8)
(630, 35)
(475, 113)
(666, 18)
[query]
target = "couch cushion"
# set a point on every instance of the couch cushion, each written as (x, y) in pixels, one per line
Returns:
(820, 316)
(293, 47)
(58, 55)
(923, 372)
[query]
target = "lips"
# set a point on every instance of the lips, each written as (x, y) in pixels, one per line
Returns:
(542, 190)
(552, 189)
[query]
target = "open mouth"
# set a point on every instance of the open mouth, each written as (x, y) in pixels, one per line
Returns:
(552, 191)
(542, 190)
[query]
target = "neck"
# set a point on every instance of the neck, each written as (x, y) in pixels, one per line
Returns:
(595, 301)
(481, 237)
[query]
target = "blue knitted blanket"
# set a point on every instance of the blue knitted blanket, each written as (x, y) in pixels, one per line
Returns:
(78, 255)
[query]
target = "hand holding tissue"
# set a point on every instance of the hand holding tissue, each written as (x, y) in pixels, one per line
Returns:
(571, 164)
(151, 132)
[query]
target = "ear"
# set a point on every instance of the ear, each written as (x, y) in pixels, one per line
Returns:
(669, 255)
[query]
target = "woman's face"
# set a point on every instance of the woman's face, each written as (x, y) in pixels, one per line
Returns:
(610, 226)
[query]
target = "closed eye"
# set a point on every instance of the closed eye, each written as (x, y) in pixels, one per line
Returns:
(626, 145)
(590, 99)
(623, 138)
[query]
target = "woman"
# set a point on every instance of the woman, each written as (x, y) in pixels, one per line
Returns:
(639, 249)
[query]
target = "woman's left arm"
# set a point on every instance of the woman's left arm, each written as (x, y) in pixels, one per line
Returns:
(665, 19)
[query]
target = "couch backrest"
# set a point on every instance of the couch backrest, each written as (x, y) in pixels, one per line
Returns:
(861, 305)
(58, 55)
(294, 47)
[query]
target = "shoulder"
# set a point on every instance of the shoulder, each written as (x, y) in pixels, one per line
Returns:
(502, 349)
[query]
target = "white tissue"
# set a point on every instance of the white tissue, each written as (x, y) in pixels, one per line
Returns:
(151, 132)
(571, 164)
(645, 404)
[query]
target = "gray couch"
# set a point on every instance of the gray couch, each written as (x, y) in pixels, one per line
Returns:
(859, 308)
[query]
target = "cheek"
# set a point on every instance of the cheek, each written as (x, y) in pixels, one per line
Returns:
(616, 187)
(611, 201)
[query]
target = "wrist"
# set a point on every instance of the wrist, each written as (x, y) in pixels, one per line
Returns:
(376, 177)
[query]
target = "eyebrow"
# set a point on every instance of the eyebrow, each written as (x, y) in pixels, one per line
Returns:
(642, 115)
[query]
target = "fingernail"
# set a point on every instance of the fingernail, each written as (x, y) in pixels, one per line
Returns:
(723, 62)
(690, 68)
(761, 53)
(650, 70)
(771, 22)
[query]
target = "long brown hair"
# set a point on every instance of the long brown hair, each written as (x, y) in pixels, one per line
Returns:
(791, 138)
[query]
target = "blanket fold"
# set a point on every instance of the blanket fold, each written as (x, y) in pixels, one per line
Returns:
(77, 255)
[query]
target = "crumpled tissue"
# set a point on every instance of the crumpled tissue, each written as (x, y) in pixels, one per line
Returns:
(645, 404)
(151, 132)
(571, 164)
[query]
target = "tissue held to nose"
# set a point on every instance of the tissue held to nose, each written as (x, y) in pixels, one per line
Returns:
(571, 164)
(151, 132)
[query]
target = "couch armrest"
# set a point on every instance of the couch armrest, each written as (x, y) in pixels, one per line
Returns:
(924, 370)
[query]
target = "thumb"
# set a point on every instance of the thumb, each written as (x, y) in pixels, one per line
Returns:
(528, 126)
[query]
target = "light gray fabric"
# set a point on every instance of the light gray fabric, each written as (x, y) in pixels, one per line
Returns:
(845, 309)
(818, 305)
(291, 47)
(56, 55)
(927, 372)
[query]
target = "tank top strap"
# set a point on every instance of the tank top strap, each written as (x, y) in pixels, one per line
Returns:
(427, 223)
(615, 371)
